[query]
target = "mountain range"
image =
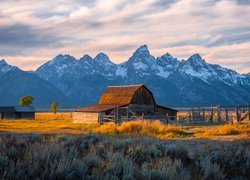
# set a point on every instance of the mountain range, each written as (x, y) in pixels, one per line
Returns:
(78, 82)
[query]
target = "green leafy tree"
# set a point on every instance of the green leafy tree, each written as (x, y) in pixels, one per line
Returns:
(26, 101)
(54, 106)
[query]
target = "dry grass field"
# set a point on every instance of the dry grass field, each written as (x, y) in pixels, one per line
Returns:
(62, 123)
(53, 147)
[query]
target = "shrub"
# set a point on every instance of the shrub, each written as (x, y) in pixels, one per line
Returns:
(104, 157)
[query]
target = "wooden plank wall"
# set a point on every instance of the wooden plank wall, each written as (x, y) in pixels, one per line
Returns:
(84, 117)
(143, 96)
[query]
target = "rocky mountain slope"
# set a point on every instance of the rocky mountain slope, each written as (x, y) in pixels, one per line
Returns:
(15, 83)
(175, 83)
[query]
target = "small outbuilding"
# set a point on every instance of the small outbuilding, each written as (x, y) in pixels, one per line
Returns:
(17, 112)
(124, 103)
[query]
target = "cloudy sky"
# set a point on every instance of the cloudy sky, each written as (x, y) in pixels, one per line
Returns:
(32, 32)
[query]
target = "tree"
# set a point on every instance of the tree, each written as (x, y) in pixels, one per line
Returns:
(26, 101)
(54, 106)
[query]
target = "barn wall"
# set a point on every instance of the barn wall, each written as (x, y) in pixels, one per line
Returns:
(28, 115)
(140, 109)
(9, 115)
(165, 111)
(84, 117)
(143, 96)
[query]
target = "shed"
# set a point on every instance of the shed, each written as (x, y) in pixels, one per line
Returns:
(122, 103)
(17, 112)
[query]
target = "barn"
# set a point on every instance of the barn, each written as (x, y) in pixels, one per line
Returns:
(17, 112)
(123, 103)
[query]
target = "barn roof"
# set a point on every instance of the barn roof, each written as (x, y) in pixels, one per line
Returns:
(97, 108)
(121, 95)
(17, 109)
(25, 108)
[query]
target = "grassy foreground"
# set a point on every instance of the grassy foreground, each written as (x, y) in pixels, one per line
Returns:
(53, 147)
(52, 156)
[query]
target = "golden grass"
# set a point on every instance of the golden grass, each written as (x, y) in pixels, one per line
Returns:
(227, 129)
(144, 128)
(45, 126)
(62, 123)
(52, 116)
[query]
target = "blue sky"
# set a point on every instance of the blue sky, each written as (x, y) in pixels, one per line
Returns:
(32, 32)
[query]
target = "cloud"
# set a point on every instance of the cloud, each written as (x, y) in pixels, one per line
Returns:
(19, 35)
(219, 30)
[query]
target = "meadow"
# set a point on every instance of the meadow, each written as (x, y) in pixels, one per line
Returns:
(53, 147)
(62, 123)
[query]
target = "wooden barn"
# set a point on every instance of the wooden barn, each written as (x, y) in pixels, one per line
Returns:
(17, 112)
(123, 103)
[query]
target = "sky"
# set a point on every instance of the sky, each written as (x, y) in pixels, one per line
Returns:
(33, 32)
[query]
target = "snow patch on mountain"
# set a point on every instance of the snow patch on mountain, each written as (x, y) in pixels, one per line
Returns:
(5, 67)
(140, 66)
(121, 71)
(163, 72)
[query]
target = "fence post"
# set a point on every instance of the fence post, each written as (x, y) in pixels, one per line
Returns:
(226, 114)
(204, 114)
(192, 115)
(237, 114)
(117, 115)
(189, 116)
(218, 113)
(127, 113)
(248, 109)
(167, 117)
(211, 119)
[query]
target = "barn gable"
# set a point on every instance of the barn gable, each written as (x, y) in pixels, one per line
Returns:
(123, 95)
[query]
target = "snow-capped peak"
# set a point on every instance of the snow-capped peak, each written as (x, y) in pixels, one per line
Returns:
(167, 59)
(61, 57)
(196, 58)
(61, 60)
(102, 59)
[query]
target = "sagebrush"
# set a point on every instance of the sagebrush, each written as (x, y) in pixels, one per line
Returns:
(104, 157)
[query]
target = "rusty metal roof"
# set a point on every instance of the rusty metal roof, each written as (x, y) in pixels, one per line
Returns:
(119, 94)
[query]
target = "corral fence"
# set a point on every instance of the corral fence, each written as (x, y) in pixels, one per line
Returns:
(214, 114)
(198, 115)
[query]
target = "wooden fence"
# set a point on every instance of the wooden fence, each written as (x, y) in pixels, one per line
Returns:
(215, 114)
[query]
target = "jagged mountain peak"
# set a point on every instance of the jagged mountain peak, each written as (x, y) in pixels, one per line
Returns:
(196, 58)
(86, 57)
(61, 60)
(5, 67)
(142, 50)
(167, 55)
(167, 58)
(3, 62)
(103, 60)
(63, 57)
(101, 55)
